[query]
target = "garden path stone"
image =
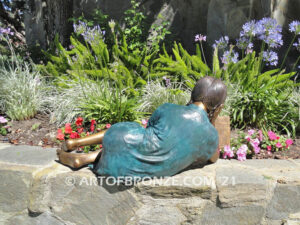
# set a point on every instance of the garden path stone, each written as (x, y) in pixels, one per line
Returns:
(23, 154)
(35, 189)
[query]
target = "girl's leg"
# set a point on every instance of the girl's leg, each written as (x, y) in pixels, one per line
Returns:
(93, 139)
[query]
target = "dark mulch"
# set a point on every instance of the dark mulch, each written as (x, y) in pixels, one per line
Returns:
(38, 131)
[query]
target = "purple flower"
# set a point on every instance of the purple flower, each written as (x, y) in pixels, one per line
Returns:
(244, 43)
(248, 29)
(255, 144)
(230, 56)
(91, 35)
(222, 43)
(168, 81)
(200, 37)
(294, 27)
(3, 120)
(270, 57)
(297, 45)
(6, 31)
(269, 31)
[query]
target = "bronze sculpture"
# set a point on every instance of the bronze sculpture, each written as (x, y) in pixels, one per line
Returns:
(165, 147)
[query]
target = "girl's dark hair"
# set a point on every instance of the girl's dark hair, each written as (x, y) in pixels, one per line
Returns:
(211, 91)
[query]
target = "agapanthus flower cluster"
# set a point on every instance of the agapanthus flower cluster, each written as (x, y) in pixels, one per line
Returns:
(77, 130)
(230, 57)
(200, 37)
(294, 27)
(270, 57)
(248, 29)
(222, 43)
(268, 30)
(90, 35)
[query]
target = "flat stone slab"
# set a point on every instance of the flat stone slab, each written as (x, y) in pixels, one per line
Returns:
(26, 155)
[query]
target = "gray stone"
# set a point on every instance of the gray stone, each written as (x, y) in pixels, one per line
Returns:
(239, 186)
(86, 202)
(43, 219)
(285, 201)
(198, 182)
(14, 190)
(30, 155)
(213, 215)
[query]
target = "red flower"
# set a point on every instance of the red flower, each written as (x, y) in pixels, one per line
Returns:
(79, 121)
(100, 146)
(60, 135)
(277, 138)
(68, 128)
(92, 128)
(269, 147)
(74, 135)
(80, 130)
(107, 126)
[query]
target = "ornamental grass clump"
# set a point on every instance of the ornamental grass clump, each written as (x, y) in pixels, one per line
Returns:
(156, 93)
(23, 91)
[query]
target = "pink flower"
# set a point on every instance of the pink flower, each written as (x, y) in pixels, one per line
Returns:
(289, 142)
(278, 145)
(248, 138)
(68, 128)
(3, 120)
(269, 147)
(107, 126)
(60, 135)
(272, 135)
(228, 152)
(242, 152)
(255, 144)
(251, 132)
(144, 122)
(260, 135)
(277, 138)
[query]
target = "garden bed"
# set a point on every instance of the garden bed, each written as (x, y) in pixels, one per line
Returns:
(39, 132)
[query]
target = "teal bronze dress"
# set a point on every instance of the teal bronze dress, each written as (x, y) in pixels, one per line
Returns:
(175, 137)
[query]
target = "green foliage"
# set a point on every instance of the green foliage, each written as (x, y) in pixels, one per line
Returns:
(134, 26)
(183, 67)
(155, 94)
(93, 100)
(113, 107)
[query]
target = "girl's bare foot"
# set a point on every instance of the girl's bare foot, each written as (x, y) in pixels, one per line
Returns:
(76, 160)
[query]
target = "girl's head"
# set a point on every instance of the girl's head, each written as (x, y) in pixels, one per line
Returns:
(211, 92)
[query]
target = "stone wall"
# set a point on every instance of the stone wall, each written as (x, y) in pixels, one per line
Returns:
(187, 17)
(36, 190)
